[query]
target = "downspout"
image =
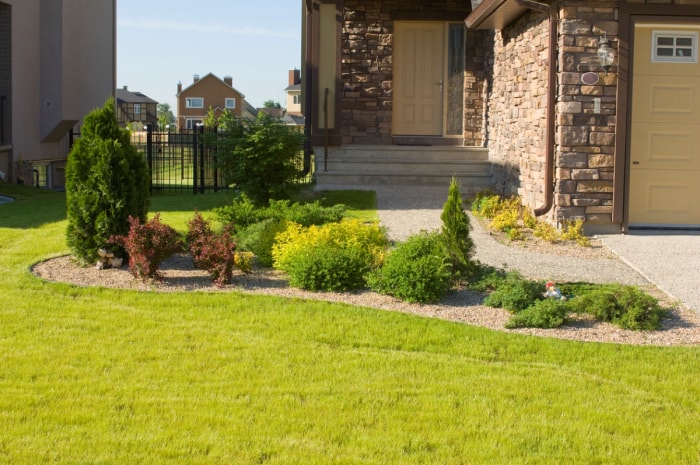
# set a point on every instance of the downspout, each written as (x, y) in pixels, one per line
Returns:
(551, 100)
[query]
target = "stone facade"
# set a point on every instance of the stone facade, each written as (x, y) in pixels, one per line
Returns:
(366, 63)
(516, 126)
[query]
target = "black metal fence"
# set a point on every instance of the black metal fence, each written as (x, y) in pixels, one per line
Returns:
(186, 161)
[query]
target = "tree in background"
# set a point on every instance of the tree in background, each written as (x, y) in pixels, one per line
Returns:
(107, 181)
(271, 104)
(165, 115)
(259, 156)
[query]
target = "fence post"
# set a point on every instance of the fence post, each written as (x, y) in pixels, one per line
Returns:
(149, 155)
(201, 160)
(195, 130)
(215, 159)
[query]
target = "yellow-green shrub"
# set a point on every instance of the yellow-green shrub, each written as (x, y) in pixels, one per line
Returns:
(573, 231)
(335, 256)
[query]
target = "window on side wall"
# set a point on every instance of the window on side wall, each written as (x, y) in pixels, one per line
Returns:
(137, 108)
(231, 103)
(194, 102)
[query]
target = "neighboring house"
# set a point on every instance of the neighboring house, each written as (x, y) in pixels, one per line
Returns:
(293, 92)
(135, 107)
(57, 63)
(209, 92)
(618, 147)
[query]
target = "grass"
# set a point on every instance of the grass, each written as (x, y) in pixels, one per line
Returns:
(104, 376)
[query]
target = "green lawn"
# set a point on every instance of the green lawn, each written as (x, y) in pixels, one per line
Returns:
(100, 376)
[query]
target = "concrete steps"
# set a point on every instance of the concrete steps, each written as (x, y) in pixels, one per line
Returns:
(405, 165)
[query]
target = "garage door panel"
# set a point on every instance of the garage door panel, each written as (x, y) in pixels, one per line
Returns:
(665, 197)
(671, 98)
(665, 126)
(666, 146)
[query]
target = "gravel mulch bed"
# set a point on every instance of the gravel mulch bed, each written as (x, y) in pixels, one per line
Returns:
(681, 327)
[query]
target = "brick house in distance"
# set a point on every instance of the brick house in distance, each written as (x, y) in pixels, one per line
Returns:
(522, 83)
(209, 92)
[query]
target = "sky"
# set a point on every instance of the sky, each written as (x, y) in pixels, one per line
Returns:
(163, 42)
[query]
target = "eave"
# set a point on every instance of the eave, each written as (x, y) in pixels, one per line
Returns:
(495, 14)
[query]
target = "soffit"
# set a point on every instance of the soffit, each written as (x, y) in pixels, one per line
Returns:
(495, 14)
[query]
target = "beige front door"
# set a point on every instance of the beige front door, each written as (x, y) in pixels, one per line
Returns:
(665, 127)
(418, 78)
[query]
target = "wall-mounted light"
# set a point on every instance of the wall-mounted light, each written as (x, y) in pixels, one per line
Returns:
(606, 54)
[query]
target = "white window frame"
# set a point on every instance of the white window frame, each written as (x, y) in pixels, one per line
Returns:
(191, 123)
(137, 108)
(296, 99)
(230, 103)
(194, 102)
(674, 57)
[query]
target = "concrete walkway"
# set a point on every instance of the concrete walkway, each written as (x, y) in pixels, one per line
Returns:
(669, 260)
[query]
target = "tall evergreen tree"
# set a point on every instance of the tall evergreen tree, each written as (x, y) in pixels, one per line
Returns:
(107, 181)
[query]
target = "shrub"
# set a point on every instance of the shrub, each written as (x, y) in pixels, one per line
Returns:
(573, 231)
(455, 233)
(418, 270)
(107, 181)
(215, 253)
(147, 245)
(486, 278)
(259, 156)
(243, 212)
(515, 293)
(625, 306)
(486, 203)
(547, 313)
(546, 231)
(329, 257)
(259, 238)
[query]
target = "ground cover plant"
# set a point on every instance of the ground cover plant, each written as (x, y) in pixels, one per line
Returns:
(93, 375)
(507, 215)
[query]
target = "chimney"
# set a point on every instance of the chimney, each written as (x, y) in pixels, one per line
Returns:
(126, 88)
(179, 88)
(294, 77)
(228, 80)
(196, 77)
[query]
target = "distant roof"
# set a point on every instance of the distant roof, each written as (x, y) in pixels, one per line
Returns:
(293, 119)
(124, 95)
(293, 87)
(195, 83)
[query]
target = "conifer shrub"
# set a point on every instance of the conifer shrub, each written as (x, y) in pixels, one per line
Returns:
(107, 181)
(515, 293)
(417, 270)
(147, 245)
(546, 313)
(456, 242)
(259, 238)
(625, 306)
(331, 257)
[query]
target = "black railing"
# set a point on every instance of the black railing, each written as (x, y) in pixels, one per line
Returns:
(187, 161)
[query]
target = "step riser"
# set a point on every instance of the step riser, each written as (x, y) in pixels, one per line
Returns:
(469, 184)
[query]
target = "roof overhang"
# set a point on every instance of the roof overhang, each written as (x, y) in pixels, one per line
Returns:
(495, 14)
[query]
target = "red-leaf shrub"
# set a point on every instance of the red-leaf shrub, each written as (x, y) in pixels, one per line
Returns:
(215, 253)
(147, 245)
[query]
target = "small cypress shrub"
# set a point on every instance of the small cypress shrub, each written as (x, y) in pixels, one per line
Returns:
(457, 244)
(418, 270)
(107, 181)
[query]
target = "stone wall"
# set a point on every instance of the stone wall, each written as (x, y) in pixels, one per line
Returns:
(517, 106)
(586, 114)
(366, 63)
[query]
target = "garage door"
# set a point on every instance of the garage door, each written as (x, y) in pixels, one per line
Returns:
(665, 137)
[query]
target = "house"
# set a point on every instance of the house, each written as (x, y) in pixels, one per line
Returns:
(135, 107)
(209, 92)
(57, 63)
(587, 109)
(293, 91)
